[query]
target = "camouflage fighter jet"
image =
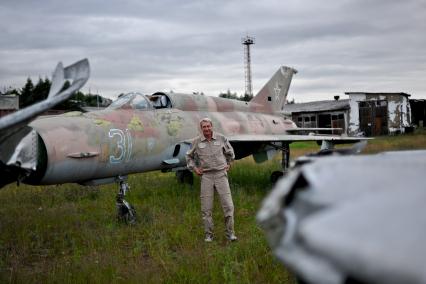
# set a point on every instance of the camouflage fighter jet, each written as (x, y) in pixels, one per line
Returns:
(139, 133)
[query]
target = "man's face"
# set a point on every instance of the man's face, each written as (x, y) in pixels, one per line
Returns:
(207, 129)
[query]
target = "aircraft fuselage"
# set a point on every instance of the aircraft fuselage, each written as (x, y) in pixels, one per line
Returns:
(81, 147)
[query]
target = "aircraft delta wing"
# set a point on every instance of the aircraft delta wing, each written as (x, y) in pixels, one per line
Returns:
(140, 133)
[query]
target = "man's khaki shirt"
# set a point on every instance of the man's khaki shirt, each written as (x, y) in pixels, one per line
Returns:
(213, 155)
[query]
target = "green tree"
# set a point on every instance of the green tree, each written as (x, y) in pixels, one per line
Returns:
(31, 94)
(10, 91)
(26, 95)
(246, 97)
(41, 89)
(229, 95)
(235, 96)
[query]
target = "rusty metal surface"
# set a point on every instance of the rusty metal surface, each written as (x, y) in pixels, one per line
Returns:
(316, 106)
(355, 217)
(379, 113)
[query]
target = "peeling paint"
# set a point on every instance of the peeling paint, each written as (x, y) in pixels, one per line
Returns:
(173, 127)
(136, 124)
(73, 114)
(102, 122)
(398, 110)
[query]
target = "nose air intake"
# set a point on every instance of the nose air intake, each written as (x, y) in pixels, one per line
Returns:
(23, 157)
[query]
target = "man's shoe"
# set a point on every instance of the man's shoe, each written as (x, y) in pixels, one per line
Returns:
(208, 239)
(232, 238)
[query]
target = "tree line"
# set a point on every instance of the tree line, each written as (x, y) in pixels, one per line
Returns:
(30, 94)
(245, 97)
(235, 96)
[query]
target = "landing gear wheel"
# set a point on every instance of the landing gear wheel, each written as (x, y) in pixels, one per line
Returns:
(275, 176)
(185, 176)
(126, 213)
(179, 176)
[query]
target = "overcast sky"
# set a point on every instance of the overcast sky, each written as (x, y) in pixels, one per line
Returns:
(187, 46)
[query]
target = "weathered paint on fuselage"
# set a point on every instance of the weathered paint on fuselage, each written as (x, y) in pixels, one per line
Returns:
(112, 142)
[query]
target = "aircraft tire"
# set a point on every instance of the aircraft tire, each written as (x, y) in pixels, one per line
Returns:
(185, 176)
(179, 176)
(126, 215)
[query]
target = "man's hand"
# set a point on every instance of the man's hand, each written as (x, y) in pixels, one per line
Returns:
(198, 171)
(227, 167)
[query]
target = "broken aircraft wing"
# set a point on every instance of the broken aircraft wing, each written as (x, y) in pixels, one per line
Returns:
(355, 218)
(18, 142)
(78, 73)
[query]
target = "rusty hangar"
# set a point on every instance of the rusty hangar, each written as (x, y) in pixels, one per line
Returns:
(363, 113)
(374, 114)
(322, 114)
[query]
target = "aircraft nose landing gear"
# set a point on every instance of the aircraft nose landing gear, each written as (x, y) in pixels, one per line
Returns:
(125, 211)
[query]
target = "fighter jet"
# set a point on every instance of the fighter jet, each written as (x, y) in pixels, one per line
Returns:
(140, 133)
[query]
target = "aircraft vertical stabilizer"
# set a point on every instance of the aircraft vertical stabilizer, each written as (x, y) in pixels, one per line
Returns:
(274, 94)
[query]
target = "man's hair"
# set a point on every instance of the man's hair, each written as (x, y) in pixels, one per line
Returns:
(206, 119)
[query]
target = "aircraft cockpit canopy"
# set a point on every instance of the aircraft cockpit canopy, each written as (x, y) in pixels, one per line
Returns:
(141, 102)
(160, 100)
(131, 101)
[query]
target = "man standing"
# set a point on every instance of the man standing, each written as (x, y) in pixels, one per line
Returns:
(210, 157)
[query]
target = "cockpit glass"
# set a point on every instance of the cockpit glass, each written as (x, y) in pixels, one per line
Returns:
(130, 100)
(122, 100)
(140, 102)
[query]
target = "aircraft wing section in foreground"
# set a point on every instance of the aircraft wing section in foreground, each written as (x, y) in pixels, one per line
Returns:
(353, 219)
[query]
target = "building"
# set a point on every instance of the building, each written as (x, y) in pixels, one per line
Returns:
(8, 104)
(418, 112)
(364, 113)
(322, 114)
(374, 114)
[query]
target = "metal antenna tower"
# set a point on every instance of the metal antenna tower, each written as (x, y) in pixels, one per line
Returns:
(247, 41)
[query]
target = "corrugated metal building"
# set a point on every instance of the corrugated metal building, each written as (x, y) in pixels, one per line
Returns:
(364, 113)
(329, 114)
(8, 104)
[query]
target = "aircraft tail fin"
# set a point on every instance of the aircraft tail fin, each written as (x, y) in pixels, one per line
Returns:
(273, 95)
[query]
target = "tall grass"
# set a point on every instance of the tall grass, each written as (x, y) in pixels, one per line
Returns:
(413, 141)
(69, 233)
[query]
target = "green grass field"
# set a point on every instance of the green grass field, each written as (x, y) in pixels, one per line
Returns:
(69, 233)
